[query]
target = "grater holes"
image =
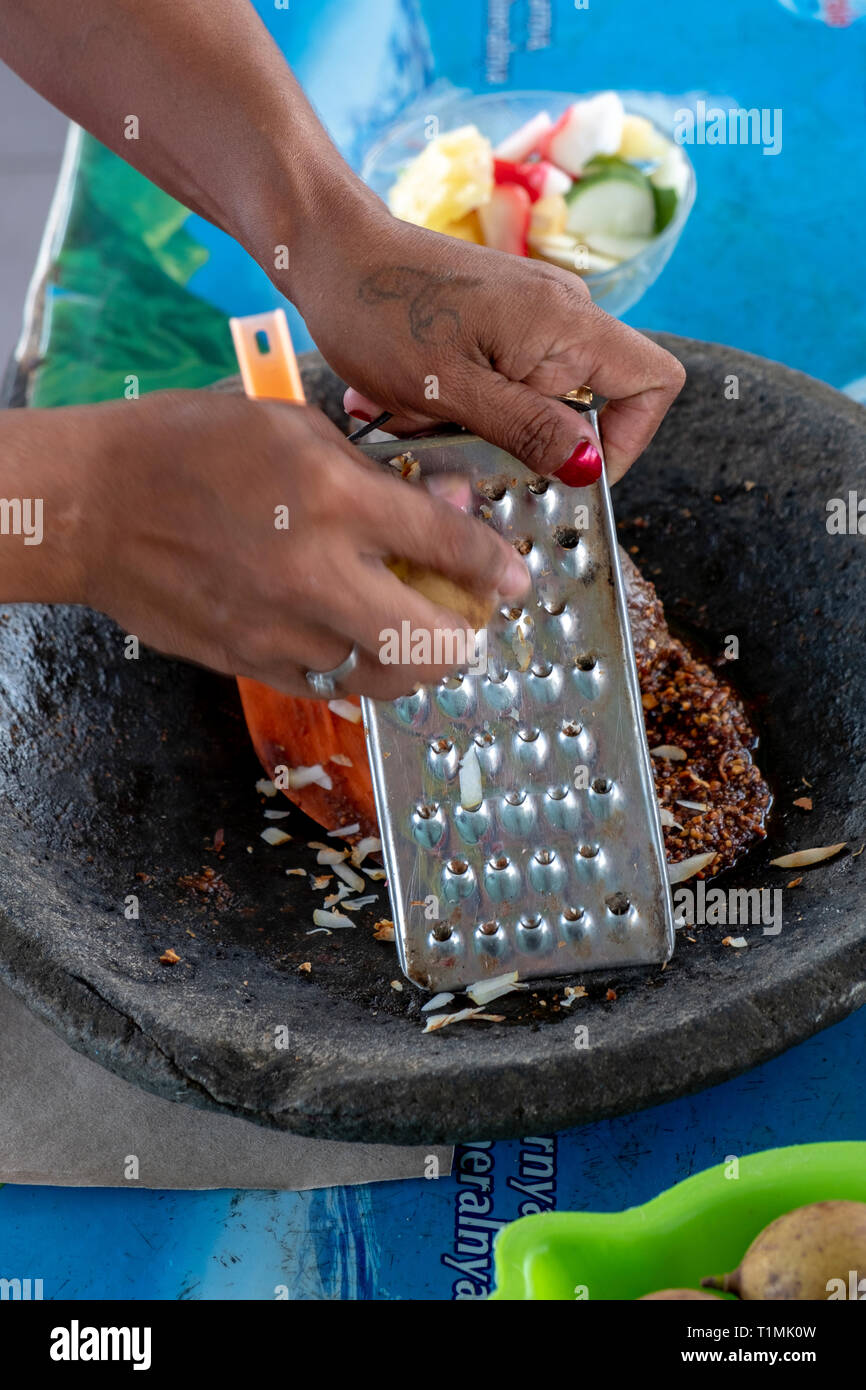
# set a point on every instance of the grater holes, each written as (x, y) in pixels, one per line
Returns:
(530, 747)
(617, 903)
(494, 489)
(588, 851)
(491, 941)
(544, 681)
(575, 926)
(518, 813)
(533, 933)
(442, 758)
(570, 728)
(501, 878)
(458, 879)
(427, 824)
(472, 825)
(484, 738)
(512, 613)
(523, 545)
(562, 808)
(454, 695)
(602, 785)
(555, 607)
(546, 871)
(538, 486)
(441, 932)
(410, 708)
(566, 537)
(587, 661)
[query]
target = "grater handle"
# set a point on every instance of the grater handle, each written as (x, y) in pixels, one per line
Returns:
(266, 357)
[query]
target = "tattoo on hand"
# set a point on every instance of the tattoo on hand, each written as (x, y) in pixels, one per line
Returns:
(433, 320)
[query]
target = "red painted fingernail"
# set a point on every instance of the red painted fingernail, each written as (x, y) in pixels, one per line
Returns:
(360, 415)
(583, 468)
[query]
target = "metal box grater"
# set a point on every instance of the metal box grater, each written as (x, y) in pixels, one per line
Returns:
(561, 867)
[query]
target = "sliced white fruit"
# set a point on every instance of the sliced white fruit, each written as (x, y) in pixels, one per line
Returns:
(525, 139)
(673, 172)
(505, 219)
(613, 202)
(571, 254)
(587, 128)
(622, 248)
(669, 181)
(555, 180)
(641, 140)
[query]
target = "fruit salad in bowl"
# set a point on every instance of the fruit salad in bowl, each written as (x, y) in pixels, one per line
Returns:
(592, 185)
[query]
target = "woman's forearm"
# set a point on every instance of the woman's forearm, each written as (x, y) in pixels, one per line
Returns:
(199, 98)
(47, 461)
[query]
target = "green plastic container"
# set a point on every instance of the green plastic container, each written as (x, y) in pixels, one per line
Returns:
(702, 1226)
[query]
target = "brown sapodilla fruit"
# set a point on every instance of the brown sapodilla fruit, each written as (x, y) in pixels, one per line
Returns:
(798, 1254)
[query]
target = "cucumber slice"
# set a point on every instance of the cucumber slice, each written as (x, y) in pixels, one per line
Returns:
(614, 167)
(621, 248)
(666, 205)
(612, 201)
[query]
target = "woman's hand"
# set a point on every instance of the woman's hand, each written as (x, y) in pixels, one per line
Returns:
(416, 322)
(432, 328)
(248, 536)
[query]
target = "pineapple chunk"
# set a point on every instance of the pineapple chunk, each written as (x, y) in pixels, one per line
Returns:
(547, 217)
(467, 229)
(641, 140)
(452, 176)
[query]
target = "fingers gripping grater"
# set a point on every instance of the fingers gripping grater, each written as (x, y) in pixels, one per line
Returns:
(560, 866)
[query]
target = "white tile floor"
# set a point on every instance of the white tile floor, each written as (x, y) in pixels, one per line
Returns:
(31, 144)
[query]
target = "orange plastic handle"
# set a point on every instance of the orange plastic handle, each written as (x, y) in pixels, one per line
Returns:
(266, 357)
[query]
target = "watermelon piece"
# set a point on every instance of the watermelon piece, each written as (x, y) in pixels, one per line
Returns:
(505, 219)
(540, 179)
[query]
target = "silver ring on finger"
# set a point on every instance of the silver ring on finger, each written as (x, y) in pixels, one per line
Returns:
(325, 684)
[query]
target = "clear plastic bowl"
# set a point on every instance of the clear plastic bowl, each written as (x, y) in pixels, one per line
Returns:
(496, 116)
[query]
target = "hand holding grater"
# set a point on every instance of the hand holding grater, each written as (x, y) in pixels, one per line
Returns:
(517, 808)
(516, 803)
